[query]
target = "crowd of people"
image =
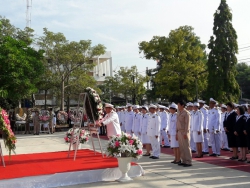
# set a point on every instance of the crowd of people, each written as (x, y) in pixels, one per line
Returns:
(189, 128)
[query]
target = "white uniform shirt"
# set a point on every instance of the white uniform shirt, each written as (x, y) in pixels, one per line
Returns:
(164, 120)
(214, 118)
(154, 125)
(191, 114)
(129, 116)
(205, 119)
(197, 121)
(136, 123)
(223, 115)
(112, 122)
(144, 123)
(172, 124)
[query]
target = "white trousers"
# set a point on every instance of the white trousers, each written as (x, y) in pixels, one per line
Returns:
(215, 142)
(192, 143)
(123, 128)
(164, 136)
(224, 141)
(155, 144)
(137, 135)
(205, 143)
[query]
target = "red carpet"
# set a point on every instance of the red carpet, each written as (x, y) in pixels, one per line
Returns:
(54, 162)
(219, 161)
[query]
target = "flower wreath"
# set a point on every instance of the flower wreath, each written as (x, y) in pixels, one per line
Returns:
(8, 135)
(62, 117)
(96, 104)
(84, 135)
(45, 116)
(21, 118)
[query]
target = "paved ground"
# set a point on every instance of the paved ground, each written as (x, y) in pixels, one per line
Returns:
(158, 173)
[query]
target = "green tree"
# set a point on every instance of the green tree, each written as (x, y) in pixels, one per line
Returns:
(67, 58)
(128, 83)
(20, 67)
(243, 79)
(181, 68)
(222, 59)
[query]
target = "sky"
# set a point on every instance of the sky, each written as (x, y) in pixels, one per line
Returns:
(121, 24)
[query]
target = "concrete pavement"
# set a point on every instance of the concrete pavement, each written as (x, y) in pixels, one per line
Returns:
(158, 173)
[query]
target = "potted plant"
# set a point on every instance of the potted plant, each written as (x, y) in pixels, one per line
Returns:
(124, 147)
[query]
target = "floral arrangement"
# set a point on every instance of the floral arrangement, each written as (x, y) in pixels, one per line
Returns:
(83, 135)
(124, 145)
(8, 135)
(75, 117)
(21, 118)
(45, 116)
(96, 104)
(62, 117)
(30, 116)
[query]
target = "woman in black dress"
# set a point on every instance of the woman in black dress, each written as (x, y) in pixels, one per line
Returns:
(229, 124)
(239, 130)
(247, 129)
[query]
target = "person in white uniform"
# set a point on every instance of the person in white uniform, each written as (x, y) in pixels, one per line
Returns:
(164, 125)
(197, 129)
(154, 131)
(205, 148)
(192, 143)
(143, 130)
(136, 121)
(129, 116)
(172, 133)
(224, 141)
(122, 118)
(111, 121)
(214, 118)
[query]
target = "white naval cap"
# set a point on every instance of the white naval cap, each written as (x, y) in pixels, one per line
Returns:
(196, 104)
(190, 104)
(212, 100)
(223, 106)
(145, 107)
(161, 106)
(236, 105)
(136, 106)
(152, 106)
(107, 105)
(201, 101)
(166, 108)
(173, 105)
(128, 104)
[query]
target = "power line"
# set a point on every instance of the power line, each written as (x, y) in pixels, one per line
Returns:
(243, 59)
(244, 47)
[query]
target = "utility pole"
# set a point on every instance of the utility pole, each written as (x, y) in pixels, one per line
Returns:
(28, 12)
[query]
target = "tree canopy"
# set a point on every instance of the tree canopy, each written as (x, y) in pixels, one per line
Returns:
(181, 71)
(222, 60)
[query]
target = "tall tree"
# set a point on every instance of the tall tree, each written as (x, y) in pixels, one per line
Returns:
(222, 59)
(181, 64)
(66, 57)
(243, 79)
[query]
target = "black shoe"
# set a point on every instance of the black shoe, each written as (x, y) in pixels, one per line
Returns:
(205, 153)
(166, 146)
(226, 149)
(146, 155)
(210, 146)
(173, 162)
(187, 165)
(231, 151)
(181, 164)
(234, 158)
(155, 157)
(198, 156)
(213, 155)
(178, 162)
(193, 151)
(151, 157)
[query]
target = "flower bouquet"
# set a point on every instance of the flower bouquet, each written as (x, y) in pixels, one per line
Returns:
(45, 116)
(62, 117)
(124, 145)
(8, 135)
(83, 135)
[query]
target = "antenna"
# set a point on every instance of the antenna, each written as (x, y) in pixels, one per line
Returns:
(28, 12)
